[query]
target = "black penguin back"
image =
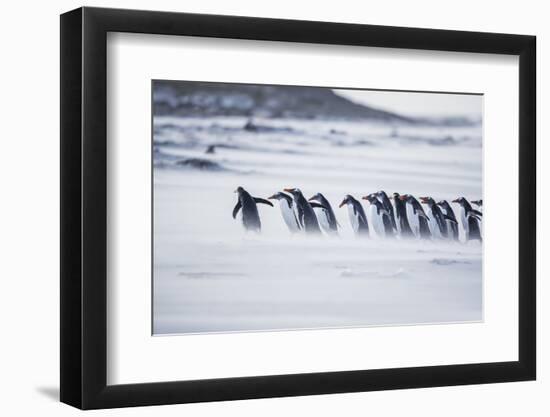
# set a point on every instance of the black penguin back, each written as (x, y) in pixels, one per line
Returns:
(475, 232)
(401, 214)
(425, 232)
(440, 219)
(251, 217)
(311, 224)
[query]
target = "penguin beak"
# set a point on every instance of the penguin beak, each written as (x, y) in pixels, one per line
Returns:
(402, 197)
(342, 204)
(289, 190)
(366, 197)
(272, 197)
(455, 200)
(312, 199)
(423, 200)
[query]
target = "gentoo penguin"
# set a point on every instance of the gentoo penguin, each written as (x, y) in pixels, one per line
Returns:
(383, 197)
(357, 216)
(418, 220)
(478, 203)
(469, 220)
(325, 214)
(304, 211)
(250, 217)
(287, 210)
(377, 215)
(437, 222)
(452, 224)
(401, 214)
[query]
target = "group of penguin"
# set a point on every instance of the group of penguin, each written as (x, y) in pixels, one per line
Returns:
(405, 218)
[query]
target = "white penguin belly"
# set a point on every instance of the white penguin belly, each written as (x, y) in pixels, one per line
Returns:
(414, 222)
(377, 222)
(289, 216)
(322, 218)
(432, 223)
(353, 218)
(465, 229)
(450, 226)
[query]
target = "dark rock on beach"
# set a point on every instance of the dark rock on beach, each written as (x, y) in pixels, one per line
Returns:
(201, 164)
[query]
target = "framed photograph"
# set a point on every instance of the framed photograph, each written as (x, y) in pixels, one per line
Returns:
(259, 208)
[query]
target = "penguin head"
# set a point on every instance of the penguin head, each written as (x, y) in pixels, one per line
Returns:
(277, 196)
(443, 203)
(460, 200)
(239, 190)
(427, 200)
(382, 194)
(317, 197)
(294, 191)
(347, 199)
(405, 197)
(371, 198)
(478, 203)
(396, 196)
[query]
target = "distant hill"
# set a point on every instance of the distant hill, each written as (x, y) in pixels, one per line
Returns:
(200, 99)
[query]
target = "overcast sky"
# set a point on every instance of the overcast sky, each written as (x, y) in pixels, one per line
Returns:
(418, 104)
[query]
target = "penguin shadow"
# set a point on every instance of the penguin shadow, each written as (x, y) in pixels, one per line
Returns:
(51, 392)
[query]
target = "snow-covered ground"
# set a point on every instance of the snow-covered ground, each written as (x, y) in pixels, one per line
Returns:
(212, 276)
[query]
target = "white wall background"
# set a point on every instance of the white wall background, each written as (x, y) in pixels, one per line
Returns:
(29, 207)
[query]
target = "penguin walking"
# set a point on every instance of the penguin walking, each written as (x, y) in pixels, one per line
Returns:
(287, 210)
(250, 215)
(418, 219)
(389, 219)
(304, 211)
(450, 218)
(377, 216)
(357, 216)
(469, 220)
(403, 226)
(325, 214)
(437, 222)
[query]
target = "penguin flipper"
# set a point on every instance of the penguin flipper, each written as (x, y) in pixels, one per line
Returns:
(237, 208)
(262, 201)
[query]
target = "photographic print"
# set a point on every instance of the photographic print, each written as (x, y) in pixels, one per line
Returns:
(301, 207)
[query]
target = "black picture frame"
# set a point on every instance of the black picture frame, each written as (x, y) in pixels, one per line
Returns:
(84, 208)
